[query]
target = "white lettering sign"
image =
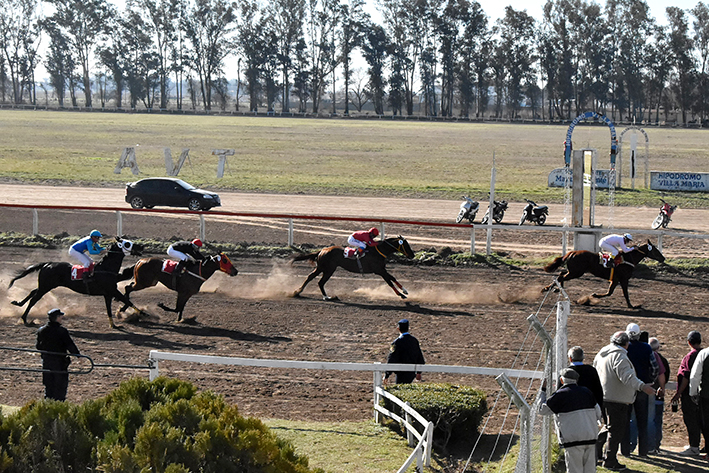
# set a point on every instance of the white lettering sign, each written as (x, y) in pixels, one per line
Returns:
(679, 181)
(557, 178)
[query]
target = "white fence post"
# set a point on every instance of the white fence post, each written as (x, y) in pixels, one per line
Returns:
(409, 434)
(153, 363)
(35, 222)
(119, 223)
(472, 239)
(377, 384)
(201, 227)
(290, 232)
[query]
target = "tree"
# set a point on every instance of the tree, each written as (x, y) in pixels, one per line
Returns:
(59, 63)
(374, 49)
(516, 53)
(19, 40)
(252, 46)
(286, 19)
(208, 26)
(701, 40)
(81, 23)
(680, 46)
(349, 36)
(320, 26)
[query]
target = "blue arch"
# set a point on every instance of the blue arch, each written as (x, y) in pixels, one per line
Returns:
(587, 115)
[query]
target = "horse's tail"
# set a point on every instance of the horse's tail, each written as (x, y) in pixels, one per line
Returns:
(126, 274)
(305, 257)
(554, 265)
(24, 272)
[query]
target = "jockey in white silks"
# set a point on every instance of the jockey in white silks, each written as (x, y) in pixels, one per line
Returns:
(614, 244)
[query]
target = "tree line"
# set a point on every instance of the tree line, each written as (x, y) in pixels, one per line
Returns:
(443, 56)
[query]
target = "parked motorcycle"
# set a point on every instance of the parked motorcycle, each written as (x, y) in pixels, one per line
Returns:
(498, 211)
(663, 218)
(468, 209)
(534, 213)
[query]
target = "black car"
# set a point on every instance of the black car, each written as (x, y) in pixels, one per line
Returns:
(169, 192)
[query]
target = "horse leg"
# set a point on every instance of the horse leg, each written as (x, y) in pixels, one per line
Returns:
(38, 294)
(24, 301)
(128, 290)
(310, 277)
(109, 298)
(611, 288)
(180, 306)
(559, 279)
(325, 278)
(393, 283)
(624, 286)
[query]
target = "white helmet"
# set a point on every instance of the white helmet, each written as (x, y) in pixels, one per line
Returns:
(628, 237)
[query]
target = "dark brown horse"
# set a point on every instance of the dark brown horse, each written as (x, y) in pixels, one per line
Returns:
(102, 283)
(148, 272)
(374, 261)
(579, 262)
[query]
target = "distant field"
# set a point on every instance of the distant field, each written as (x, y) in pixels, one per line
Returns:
(326, 156)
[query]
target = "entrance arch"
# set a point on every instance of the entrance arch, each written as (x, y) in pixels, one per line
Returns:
(569, 146)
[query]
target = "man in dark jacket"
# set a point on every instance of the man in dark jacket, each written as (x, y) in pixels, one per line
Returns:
(54, 338)
(405, 350)
(588, 378)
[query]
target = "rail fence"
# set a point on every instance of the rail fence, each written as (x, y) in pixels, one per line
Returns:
(289, 219)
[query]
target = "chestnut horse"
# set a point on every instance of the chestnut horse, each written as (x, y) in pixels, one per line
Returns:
(374, 261)
(103, 282)
(148, 272)
(580, 262)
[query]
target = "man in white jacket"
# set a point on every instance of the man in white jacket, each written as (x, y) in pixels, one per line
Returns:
(699, 390)
(576, 415)
(620, 385)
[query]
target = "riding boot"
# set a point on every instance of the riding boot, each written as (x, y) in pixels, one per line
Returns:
(85, 277)
(179, 269)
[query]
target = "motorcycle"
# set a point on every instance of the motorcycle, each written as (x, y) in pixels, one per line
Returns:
(663, 218)
(534, 213)
(498, 211)
(468, 209)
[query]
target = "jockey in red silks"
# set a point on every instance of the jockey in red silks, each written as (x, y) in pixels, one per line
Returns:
(362, 239)
(89, 245)
(614, 244)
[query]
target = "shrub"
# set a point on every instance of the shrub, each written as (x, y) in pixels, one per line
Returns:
(164, 426)
(456, 411)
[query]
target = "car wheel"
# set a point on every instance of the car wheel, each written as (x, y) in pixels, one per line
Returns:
(194, 204)
(137, 202)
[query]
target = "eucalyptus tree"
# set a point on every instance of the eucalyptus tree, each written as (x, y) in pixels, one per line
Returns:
(700, 25)
(301, 77)
(82, 24)
(593, 56)
(142, 65)
(449, 29)
(114, 55)
(438, 36)
(209, 27)
(349, 35)
(19, 41)
(60, 65)
(252, 46)
(160, 17)
(556, 53)
(659, 71)
(321, 21)
(680, 46)
(516, 52)
(286, 18)
(374, 50)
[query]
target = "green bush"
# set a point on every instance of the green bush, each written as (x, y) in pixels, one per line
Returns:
(164, 426)
(456, 411)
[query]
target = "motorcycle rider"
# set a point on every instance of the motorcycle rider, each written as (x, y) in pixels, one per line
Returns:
(614, 244)
(185, 251)
(89, 245)
(362, 239)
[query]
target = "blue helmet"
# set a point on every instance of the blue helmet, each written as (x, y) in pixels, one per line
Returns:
(95, 233)
(628, 237)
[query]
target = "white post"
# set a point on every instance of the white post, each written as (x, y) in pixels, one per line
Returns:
(119, 223)
(201, 227)
(659, 242)
(377, 384)
(563, 309)
(472, 239)
(290, 232)
(383, 231)
(429, 444)
(409, 435)
(491, 207)
(35, 222)
(154, 372)
(564, 238)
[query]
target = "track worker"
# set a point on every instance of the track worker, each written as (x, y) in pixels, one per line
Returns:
(88, 245)
(362, 239)
(614, 244)
(620, 385)
(576, 416)
(405, 350)
(54, 338)
(185, 251)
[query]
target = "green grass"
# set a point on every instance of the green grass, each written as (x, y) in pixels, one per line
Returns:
(327, 156)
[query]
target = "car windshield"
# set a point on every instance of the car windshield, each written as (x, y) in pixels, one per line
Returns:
(189, 187)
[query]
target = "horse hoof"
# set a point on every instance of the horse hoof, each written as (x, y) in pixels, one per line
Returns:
(331, 299)
(15, 303)
(296, 294)
(404, 291)
(402, 296)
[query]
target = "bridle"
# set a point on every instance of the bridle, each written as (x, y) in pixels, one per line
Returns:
(396, 248)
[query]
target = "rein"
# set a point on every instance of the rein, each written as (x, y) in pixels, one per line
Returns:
(396, 248)
(198, 276)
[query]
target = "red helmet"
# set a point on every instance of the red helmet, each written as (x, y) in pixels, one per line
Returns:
(197, 242)
(374, 232)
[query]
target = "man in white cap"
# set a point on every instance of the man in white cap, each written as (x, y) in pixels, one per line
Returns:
(576, 416)
(620, 386)
(55, 341)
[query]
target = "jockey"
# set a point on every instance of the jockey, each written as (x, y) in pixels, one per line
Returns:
(615, 244)
(87, 244)
(362, 239)
(185, 251)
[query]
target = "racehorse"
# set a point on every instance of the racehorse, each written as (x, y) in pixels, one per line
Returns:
(580, 262)
(374, 261)
(102, 283)
(148, 272)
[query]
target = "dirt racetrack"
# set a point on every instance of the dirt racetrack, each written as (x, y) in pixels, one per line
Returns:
(462, 316)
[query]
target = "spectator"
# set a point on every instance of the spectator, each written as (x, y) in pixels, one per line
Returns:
(660, 396)
(54, 338)
(643, 359)
(620, 385)
(576, 416)
(405, 349)
(690, 411)
(699, 390)
(588, 378)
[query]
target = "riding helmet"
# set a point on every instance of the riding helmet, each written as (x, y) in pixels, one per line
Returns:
(628, 237)
(95, 233)
(197, 242)
(374, 232)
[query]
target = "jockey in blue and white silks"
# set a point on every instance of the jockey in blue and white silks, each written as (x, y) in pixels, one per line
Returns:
(89, 245)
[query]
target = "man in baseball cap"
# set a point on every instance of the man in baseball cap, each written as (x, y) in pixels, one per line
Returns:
(55, 342)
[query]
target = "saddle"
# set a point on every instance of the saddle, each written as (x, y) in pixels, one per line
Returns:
(352, 253)
(605, 260)
(78, 271)
(169, 266)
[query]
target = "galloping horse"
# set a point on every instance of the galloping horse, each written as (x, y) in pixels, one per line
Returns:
(374, 261)
(148, 272)
(102, 283)
(580, 262)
